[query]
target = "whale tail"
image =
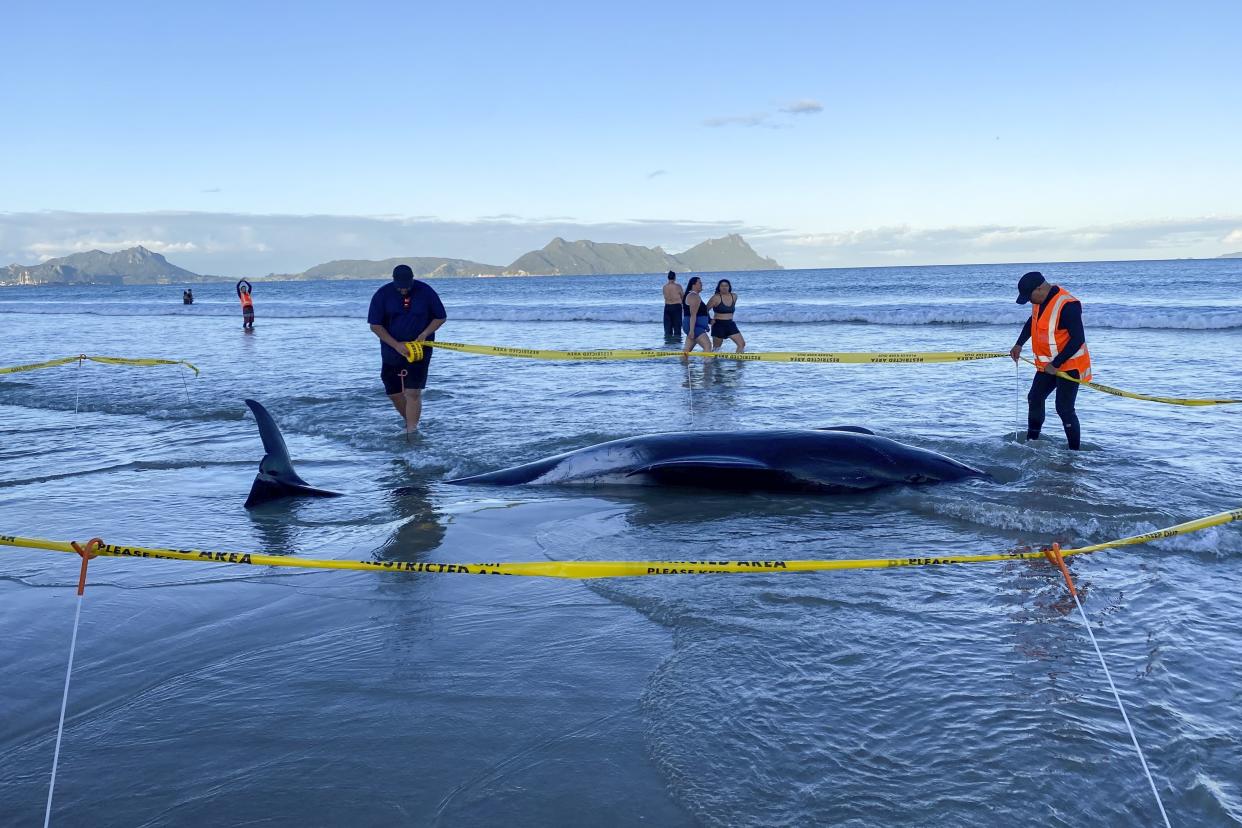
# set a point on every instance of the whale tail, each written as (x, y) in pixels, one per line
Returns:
(276, 478)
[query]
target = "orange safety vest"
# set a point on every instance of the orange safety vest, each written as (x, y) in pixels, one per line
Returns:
(247, 302)
(1047, 339)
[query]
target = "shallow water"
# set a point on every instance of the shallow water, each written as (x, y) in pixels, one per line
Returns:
(957, 695)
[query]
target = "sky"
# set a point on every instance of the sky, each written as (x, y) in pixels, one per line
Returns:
(244, 138)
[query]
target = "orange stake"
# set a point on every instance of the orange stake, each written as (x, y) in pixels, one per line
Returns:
(92, 546)
(1054, 556)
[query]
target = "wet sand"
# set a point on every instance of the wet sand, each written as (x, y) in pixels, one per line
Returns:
(461, 700)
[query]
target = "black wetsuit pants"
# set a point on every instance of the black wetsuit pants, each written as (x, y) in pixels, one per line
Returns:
(672, 321)
(1067, 392)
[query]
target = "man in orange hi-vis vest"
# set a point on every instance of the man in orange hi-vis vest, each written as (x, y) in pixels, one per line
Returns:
(1059, 344)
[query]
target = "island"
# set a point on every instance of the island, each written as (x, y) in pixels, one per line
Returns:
(140, 266)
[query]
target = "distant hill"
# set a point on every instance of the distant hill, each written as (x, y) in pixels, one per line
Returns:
(1237, 255)
(560, 257)
(729, 252)
(140, 266)
(135, 266)
(423, 266)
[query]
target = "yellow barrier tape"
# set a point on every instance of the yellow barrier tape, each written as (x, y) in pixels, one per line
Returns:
(415, 353)
(1117, 392)
(106, 360)
(608, 569)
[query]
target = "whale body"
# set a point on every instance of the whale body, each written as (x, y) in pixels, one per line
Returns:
(840, 460)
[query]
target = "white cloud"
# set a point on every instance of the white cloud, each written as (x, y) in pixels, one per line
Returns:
(54, 249)
(806, 106)
(1162, 238)
(250, 245)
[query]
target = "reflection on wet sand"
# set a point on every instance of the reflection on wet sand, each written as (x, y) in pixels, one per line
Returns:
(421, 529)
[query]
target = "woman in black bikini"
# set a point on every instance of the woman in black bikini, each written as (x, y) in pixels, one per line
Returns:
(722, 304)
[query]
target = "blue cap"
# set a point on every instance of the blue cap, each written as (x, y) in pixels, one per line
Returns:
(402, 276)
(1028, 283)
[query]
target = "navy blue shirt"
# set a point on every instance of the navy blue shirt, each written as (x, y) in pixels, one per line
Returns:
(388, 308)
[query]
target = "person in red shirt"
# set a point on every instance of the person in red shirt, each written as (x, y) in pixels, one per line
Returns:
(247, 304)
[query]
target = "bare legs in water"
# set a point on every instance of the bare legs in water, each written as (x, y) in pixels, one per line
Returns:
(409, 405)
(736, 339)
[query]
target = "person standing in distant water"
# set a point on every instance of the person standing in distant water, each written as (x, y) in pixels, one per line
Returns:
(187, 297)
(722, 304)
(673, 297)
(405, 310)
(1059, 344)
(243, 293)
(695, 312)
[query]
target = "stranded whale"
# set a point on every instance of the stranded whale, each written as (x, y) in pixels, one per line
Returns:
(827, 461)
(840, 460)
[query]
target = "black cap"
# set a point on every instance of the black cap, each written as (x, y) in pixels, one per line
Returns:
(402, 276)
(1028, 283)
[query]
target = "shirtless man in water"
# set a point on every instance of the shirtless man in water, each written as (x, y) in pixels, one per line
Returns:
(672, 307)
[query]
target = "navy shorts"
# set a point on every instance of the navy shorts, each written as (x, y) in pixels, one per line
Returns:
(415, 374)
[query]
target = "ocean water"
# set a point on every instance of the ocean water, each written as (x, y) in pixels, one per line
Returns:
(947, 696)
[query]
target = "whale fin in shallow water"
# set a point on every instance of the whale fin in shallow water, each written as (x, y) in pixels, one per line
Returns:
(276, 478)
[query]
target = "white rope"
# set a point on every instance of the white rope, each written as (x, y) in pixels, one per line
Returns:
(1017, 401)
(64, 702)
(77, 387)
(1122, 708)
(690, 389)
(185, 384)
(73, 645)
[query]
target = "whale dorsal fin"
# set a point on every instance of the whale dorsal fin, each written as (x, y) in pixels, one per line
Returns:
(276, 462)
(277, 477)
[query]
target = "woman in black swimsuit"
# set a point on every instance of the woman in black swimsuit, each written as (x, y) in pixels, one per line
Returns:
(722, 304)
(694, 312)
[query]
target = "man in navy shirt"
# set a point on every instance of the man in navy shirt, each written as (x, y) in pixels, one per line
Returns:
(405, 310)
